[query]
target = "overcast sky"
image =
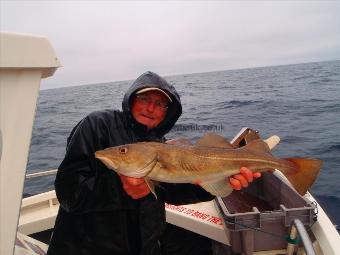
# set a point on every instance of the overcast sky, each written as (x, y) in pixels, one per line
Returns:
(111, 40)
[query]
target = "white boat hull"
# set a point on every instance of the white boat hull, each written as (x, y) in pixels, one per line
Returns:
(38, 213)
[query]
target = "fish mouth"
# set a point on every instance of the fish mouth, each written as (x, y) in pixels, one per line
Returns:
(141, 172)
(108, 162)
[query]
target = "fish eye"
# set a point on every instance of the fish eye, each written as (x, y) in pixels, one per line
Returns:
(123, 150)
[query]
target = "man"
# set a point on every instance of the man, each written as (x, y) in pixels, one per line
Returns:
(102, 212)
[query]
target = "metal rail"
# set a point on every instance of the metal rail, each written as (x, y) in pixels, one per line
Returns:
(39, 174)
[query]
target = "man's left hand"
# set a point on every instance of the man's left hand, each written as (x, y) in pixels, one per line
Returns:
(242, 180)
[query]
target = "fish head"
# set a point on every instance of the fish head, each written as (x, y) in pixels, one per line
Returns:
(133, 160)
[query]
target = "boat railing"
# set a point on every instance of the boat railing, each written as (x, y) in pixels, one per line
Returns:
(42, 173)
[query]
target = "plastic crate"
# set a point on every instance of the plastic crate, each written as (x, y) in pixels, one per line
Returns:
(260, 218)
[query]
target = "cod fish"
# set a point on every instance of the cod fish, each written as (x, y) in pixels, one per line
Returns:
(207, 163)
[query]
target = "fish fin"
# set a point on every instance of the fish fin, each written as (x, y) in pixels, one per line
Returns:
(151, 185)
(162, 163)
(214, 140)
(217, 188)
(257, 145)
(306, 171)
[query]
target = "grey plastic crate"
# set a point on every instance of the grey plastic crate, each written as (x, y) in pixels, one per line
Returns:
(259, 218)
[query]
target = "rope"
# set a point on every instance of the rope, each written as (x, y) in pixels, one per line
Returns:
(259, 230)
(285, 237)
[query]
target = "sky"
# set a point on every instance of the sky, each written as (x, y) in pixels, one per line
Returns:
(105, 41)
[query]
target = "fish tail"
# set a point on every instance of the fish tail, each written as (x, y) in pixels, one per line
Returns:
(304, 174)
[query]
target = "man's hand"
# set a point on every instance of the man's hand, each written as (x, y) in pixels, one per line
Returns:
(134, 187)
(242, 180)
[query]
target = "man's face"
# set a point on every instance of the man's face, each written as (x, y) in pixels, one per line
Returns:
(149, 108)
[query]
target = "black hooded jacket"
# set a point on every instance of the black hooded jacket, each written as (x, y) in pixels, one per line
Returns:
(96, 216)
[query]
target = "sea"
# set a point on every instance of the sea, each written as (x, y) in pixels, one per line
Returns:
(299, 102)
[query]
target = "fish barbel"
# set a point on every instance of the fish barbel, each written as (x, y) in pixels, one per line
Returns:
(207, 163)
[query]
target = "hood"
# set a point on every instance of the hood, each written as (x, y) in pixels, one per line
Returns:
(147, 80)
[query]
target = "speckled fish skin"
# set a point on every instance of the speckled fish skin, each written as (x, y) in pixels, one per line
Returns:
(206, 165)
